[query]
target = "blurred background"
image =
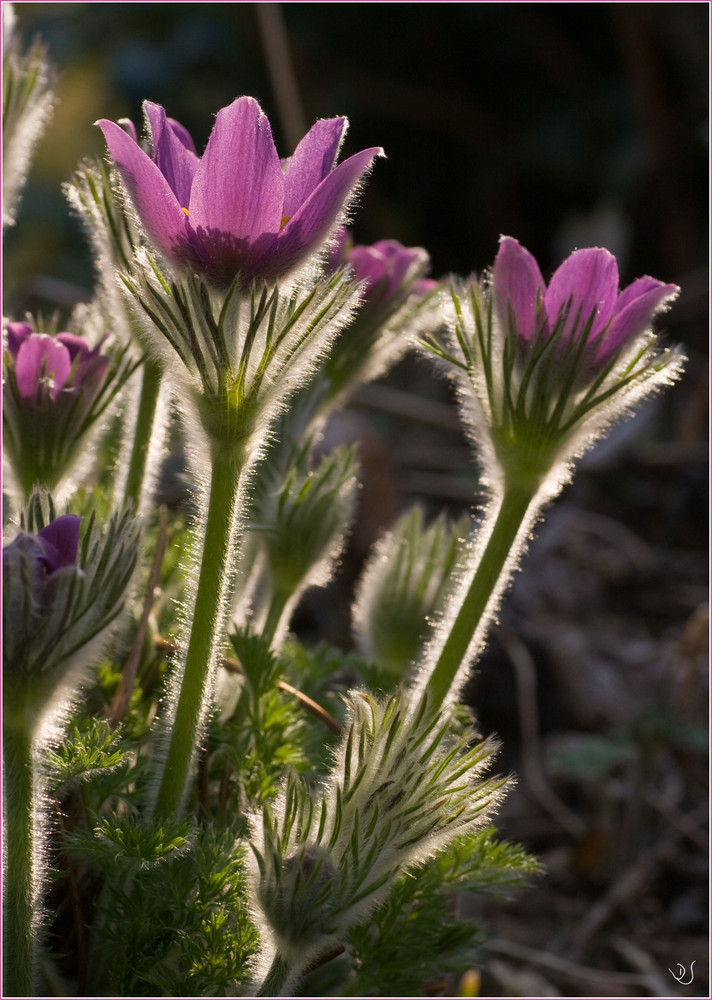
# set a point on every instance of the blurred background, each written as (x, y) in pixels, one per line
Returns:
(563, 125)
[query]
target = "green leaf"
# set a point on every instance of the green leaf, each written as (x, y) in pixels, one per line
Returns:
(90, 748)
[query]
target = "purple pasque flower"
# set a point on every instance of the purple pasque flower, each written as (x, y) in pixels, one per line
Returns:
(582, 297)
(387, 268)
(46, 366)
(55, 390)
(51, 549)
(60, 596)
(238, 210)
(60, 542)
(36, 568)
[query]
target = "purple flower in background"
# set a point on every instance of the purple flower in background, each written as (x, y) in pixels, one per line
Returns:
(51, 549)
(55, 390)
(33, 568)
(387, 267)
(59, 596)
(237, 210)
(583, 295)
(47, 366)
(60, 542)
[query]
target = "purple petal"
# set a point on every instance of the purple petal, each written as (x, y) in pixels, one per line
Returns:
(400, 260)
(423, 287)
(17, 333)
(173, 158)
(156, 203)
(517, 287)
(238, 188)
(368, 264)
(128, 126)
(77, 346)
(588, 279)
(313, 160)
(60, 541)
(41, 358)
(313, 221)
(635, 308)
(183, 135)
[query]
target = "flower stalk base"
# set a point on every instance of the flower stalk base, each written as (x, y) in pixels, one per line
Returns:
(19, 851)
(516, 512)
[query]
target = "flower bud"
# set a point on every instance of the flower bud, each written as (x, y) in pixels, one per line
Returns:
(404, 784)
(403, 588)
(297, 904)
(309, 517)
(27, 104)
(390, 271)
(395, 295)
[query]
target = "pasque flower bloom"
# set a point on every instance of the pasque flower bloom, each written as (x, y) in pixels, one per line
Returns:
(50, 550)
(237, 210)
(46, 366)
(542, 373)
(59, 594)
(36, 568)
(582, 298)
(56, 388)
(544, 370)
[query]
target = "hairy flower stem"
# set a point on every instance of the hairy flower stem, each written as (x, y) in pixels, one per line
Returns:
(19, 851)
(279, 976)
(517, 507)
(275, 613)
(143, 432)
(208, 608)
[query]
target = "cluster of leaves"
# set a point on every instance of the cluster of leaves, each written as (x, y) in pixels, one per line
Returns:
(171, 908)
(420, 908)
(170, 904)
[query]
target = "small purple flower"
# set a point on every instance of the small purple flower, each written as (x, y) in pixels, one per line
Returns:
(387, 267)
(237, 210)
(51, 549)
(583, 295)
(60, 542)
(47, 366)
(55, 390)
(59, 597)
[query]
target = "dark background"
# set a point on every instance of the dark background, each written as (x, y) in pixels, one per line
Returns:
(562, 125)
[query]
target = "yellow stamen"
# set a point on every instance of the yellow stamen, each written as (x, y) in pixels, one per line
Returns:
(186, 211)
(283, 223)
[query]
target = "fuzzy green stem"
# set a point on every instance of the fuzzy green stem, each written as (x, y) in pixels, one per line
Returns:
(490, 578)
(208, 608)
(275, 613)
(19, 843)
(143, 432)
(277, 978)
